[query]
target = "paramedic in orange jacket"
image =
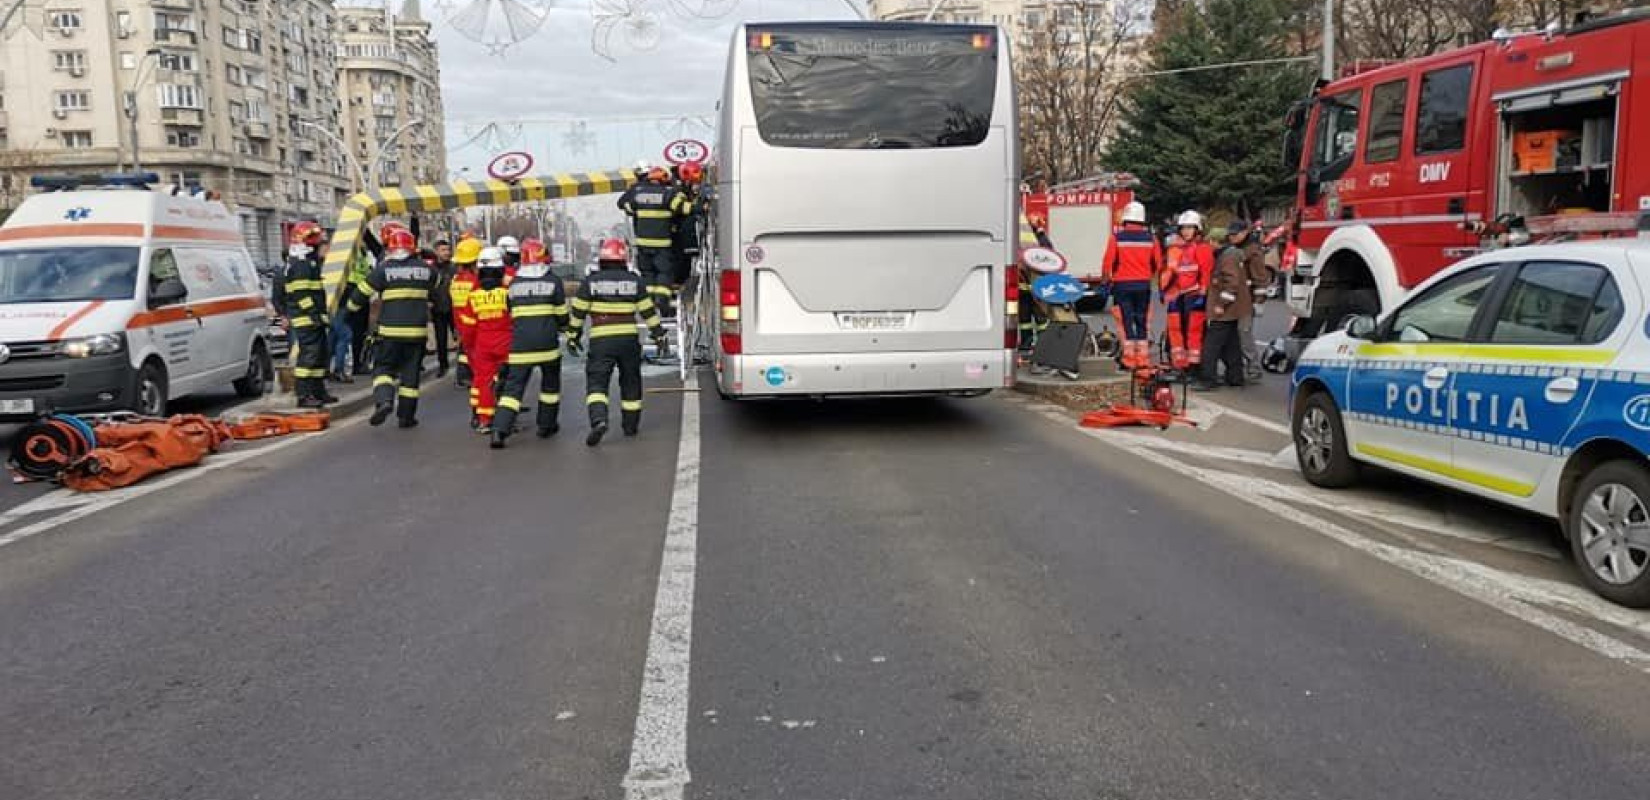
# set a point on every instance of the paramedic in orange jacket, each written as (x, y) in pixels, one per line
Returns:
(1185, 286)
(1132, 260)
(490, 306)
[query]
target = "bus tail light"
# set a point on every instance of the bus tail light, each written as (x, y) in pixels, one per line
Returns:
(732, 330)
(1011, 307)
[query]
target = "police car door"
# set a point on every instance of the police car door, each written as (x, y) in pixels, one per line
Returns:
(1398, 395)
(1524, 386)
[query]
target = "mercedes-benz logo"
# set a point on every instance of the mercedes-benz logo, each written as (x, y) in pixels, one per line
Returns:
(5, 354)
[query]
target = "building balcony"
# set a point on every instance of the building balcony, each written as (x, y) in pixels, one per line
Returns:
(176, 38)
(258, 130)
(181, 5)
(183, 116)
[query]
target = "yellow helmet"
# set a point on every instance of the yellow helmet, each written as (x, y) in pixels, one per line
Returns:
(467, 252)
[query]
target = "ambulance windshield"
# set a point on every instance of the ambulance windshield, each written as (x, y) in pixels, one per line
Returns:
(67, 274)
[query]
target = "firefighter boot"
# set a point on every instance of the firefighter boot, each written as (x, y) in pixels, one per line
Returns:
(597, 431)
(380, 413)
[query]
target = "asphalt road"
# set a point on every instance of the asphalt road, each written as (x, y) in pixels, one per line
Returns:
(925, 599)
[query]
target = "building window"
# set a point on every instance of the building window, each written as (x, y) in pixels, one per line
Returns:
(76, 140)
(252, 41)
(123, 22)
(63, 19)
(69, 60)
(231, 38)
(174, 95)
(73, 101)
(256, 78)
(179, 137)
(232, 73)
(256, 110)
(128, 61)
(173, 22)
(179, 62)
(299, 95)
(237, 111)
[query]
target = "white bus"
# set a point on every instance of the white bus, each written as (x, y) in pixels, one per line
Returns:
(864, 220)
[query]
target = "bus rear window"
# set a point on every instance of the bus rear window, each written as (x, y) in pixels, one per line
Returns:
(862, 88)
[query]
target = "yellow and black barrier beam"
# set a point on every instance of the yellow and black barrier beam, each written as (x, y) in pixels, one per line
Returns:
(363, 207)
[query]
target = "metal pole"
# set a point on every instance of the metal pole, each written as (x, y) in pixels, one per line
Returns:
(932, 10)
(384, 147)
(10, 12)
(1328, 40)
(360, 173)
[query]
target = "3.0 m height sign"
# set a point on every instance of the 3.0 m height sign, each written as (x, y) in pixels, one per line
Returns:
(686, 151)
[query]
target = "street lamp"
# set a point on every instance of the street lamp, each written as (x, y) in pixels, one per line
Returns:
(384, 147)
(131, 102)
(360, 173)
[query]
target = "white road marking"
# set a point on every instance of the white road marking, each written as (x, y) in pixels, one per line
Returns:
(1510, 593)
(1253, 458)
(103, 501)
(1213, 410)
(658, 749)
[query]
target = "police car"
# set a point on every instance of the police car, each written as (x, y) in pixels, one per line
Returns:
(1520, 375)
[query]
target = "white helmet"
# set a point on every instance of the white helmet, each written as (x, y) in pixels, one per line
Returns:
(1135, 212)
(643, 166)
(509, 244)
(490, 257)
(1190, 219)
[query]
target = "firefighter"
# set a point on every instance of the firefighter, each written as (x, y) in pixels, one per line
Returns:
(464, 280)
(538, 312)
(512, 253)
(1184, 283)
(1132, 260)
(403, 282)
(654, 208)
(489, 305)
(302, 299)
(684, 237)
(608, 304)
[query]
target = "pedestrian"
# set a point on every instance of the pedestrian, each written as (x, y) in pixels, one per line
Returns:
(402, 282)
(654, 207)
(301, 298)
(1261, 276)
(1133, 259)
(538, 312)
(1184, 284)
(489, 306)
(1230, 302)
(463, 282)
(441, 305)
(607, 306)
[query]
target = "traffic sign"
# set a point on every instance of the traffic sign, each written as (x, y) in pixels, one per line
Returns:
(687, 151)
(1043, 260)
(1058, 289)
(509, 166)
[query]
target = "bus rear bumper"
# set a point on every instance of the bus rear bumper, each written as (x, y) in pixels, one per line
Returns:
(960, 372)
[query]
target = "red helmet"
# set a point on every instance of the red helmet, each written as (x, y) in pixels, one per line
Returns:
(400, 240)
(692, 172)
(614, 250)
(658, 175)
(309, 233)
(534, 252)
(385, 229)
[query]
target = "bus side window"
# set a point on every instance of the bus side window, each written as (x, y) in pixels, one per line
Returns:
(1441, 122)
(1336, 141)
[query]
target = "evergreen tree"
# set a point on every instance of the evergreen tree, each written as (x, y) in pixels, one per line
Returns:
(1212, 139)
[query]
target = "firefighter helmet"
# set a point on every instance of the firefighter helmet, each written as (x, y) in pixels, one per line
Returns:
(692, 172)
(509, 244)
(399, 243)
(306, 233)
(491, 258)
(1190, 219)
(1135, 212)
(534, 252)
(467, 252)
(613, 251)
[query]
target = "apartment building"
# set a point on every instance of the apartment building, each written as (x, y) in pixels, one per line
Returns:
(389, 80)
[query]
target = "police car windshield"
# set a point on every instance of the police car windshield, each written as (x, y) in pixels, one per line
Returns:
(67, 274)
(849, 87)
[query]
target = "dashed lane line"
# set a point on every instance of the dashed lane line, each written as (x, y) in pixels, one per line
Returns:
(658, 749)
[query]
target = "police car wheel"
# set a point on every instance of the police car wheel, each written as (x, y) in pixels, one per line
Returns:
(1609, 529)
(1320, 443)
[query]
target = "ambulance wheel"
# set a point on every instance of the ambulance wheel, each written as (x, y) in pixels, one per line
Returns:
(149, 390)
(1320, 443)
(258, 369)
(1609, 529)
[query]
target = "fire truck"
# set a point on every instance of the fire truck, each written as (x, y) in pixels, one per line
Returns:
(1408, 167)
(1079, 218)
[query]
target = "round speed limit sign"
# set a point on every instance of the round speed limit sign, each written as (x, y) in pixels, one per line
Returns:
(1043, 260)
(686, 151)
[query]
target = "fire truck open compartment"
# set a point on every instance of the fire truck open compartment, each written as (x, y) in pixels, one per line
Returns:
(1557, 150)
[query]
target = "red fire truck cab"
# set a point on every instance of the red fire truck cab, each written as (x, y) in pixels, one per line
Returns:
(1403, 165)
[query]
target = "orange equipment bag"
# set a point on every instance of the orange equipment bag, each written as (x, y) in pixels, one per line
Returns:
(1537, 151)
(271, 423)
(130, 452)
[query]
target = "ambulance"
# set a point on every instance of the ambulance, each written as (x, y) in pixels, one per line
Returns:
(120, 297)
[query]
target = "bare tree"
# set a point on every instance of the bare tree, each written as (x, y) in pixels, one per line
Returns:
(1395, 29)
(1070, 73)
(16, 166)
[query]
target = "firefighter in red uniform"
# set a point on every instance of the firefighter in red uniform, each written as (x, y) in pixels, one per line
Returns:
(1132, 260)
(1184, 283)
(490, 306)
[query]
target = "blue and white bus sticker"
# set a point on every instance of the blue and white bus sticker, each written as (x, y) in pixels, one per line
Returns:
(775, 376)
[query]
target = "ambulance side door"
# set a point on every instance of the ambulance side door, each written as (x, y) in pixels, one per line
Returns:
(1555, 328)
(172, 328)
(1398, 406)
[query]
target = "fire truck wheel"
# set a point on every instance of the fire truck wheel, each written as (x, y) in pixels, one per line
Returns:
(1320, 443)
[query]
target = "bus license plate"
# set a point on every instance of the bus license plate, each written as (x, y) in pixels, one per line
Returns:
(24, 406)
(873, 321)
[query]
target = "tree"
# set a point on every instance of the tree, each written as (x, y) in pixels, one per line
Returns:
(1069, 71)
(1211, 139)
